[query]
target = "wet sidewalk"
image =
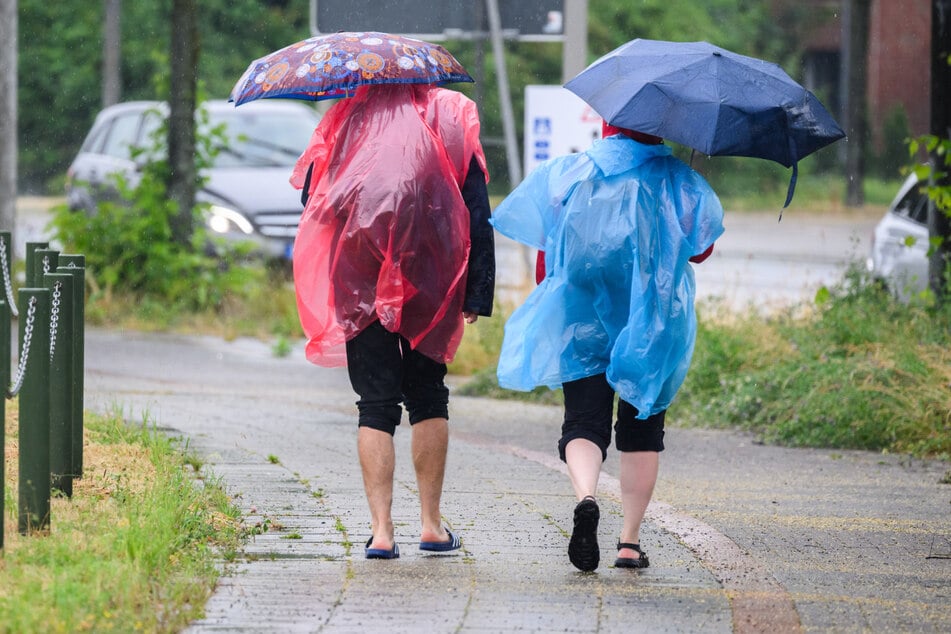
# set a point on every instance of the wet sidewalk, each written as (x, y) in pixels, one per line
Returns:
(742, 537)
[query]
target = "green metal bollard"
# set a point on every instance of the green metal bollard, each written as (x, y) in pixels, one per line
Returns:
(29, 262)
(6, 290)
(44, 261)
(5, 382)
(76, 266)
(6, 271)
(32, 386)
(60, 286)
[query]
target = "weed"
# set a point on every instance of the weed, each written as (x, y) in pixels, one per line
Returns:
(282, 347)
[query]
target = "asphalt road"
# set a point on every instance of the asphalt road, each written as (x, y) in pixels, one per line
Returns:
(759, 261)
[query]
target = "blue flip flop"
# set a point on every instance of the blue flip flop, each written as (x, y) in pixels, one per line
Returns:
(453, 543)
(382, 553)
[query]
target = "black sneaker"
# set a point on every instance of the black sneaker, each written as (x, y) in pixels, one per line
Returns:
(583, 546)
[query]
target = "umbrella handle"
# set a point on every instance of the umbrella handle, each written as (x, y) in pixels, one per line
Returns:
(792, 187)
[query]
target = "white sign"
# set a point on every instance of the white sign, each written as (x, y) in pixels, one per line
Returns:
(557, 122)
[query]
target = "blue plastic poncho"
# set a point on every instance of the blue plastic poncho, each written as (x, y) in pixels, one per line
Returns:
(618, 224)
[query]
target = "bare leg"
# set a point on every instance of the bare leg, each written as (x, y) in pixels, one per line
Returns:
(638, 476)
(584, 467)
(583, 458)
(430, 444)
(378, 459)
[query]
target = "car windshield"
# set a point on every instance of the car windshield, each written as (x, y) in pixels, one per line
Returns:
(262, 139)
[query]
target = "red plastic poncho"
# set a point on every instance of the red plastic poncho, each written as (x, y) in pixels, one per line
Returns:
(385, 232)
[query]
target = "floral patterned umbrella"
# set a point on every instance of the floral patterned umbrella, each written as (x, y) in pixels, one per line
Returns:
(334, 65)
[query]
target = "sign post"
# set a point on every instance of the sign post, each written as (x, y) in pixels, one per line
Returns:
(475, 20)
(557, 122)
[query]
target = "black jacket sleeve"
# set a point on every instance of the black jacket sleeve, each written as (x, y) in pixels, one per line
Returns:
(480, 281)
(305, 191)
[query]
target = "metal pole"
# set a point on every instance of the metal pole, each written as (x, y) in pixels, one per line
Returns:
(574, 52)
(8, 113)
(505, 97)
(5, 382)
(34, 468)
(5, 340)
(60, 286)
(75, 265)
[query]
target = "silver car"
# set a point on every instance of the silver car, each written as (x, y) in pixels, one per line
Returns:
(899, 253)
(247, 187)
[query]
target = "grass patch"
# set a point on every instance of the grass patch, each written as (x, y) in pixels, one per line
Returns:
(856, 370)
(860, 371)
(266, 310)
(135, 547)
(478, 357)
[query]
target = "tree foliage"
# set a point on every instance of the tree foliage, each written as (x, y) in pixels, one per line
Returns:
(60, 65)
(59, 75)
(743, 26)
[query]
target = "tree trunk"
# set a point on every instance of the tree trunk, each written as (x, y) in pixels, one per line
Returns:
(8, 115)
(856, 119)
(939, 223)
(111, 53)
(181, 122)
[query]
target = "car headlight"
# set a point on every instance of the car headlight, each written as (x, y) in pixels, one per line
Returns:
(225, 220)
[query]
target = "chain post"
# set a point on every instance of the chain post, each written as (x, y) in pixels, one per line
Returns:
(75, 265)
(4, 381)
(30, 262)
(61, 379)
(44, 261)
(6, 264)
(34, 426)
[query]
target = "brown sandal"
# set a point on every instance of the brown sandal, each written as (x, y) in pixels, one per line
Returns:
(630, 562)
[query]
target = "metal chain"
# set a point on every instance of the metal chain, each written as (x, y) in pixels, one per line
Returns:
(54, 315)
(46, 264)
(5, 265)
(25, 352)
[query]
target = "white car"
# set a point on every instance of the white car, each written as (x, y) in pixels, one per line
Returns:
(899, 253)
(247, 186)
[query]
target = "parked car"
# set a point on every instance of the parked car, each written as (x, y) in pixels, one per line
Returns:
(899, 250)
(247, 186)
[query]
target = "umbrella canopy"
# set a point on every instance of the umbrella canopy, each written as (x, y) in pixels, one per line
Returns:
(707, 98)
(334, 65)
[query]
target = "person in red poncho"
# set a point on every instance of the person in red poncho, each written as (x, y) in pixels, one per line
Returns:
(393, 255)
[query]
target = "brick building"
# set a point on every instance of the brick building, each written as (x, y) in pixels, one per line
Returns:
(898, 58)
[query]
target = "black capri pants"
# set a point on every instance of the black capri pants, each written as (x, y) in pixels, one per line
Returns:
(589, 408)
(385, 371)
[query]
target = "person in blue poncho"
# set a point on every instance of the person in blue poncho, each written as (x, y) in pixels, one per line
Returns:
(614, 313)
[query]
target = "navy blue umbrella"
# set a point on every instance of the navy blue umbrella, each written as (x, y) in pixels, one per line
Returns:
(709, 99)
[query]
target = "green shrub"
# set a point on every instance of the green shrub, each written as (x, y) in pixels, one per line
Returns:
(861, 371)
(129, 248)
